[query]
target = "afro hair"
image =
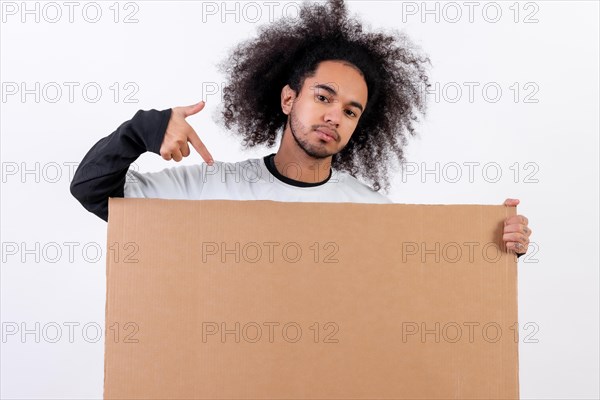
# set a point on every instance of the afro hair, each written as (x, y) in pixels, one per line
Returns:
(290, 50)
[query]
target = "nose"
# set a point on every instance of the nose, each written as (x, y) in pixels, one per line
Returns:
(333, 115)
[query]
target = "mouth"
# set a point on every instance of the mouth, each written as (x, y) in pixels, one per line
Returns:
(326, 134)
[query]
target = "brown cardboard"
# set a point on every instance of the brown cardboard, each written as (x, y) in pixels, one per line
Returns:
(370, 305)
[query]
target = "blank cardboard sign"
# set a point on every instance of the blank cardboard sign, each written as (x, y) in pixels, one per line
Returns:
(220, 299)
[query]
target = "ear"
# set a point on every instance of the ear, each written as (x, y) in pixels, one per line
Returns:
(288, 96)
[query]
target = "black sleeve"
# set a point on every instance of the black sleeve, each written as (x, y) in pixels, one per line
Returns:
(101, 174)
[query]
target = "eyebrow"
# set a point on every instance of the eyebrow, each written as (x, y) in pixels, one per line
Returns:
(334, 93)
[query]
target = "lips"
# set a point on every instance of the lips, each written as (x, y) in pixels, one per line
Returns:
(327, 132)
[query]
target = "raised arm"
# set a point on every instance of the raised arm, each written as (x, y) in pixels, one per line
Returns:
(102, 172)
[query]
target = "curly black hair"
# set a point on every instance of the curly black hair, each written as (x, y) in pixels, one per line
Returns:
(290, 50)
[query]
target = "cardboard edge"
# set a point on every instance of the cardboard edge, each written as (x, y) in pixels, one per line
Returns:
(513, 263)
(516, 266)
(145, 199)
(114, 205)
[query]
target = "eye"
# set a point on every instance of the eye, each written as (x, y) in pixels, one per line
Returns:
(321, 97)
(351, 113)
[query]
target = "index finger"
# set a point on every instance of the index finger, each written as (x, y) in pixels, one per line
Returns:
(200, 147)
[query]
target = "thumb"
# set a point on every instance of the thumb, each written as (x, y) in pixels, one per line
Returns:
(511, 202)
(193, 109)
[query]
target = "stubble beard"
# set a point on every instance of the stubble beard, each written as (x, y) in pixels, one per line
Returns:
(317, 152)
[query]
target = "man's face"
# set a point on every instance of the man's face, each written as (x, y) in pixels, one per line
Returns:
(325, 113)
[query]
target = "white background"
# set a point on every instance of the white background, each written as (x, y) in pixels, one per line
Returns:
(170, 56)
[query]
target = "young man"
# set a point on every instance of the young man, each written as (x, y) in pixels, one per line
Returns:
(343, 99)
